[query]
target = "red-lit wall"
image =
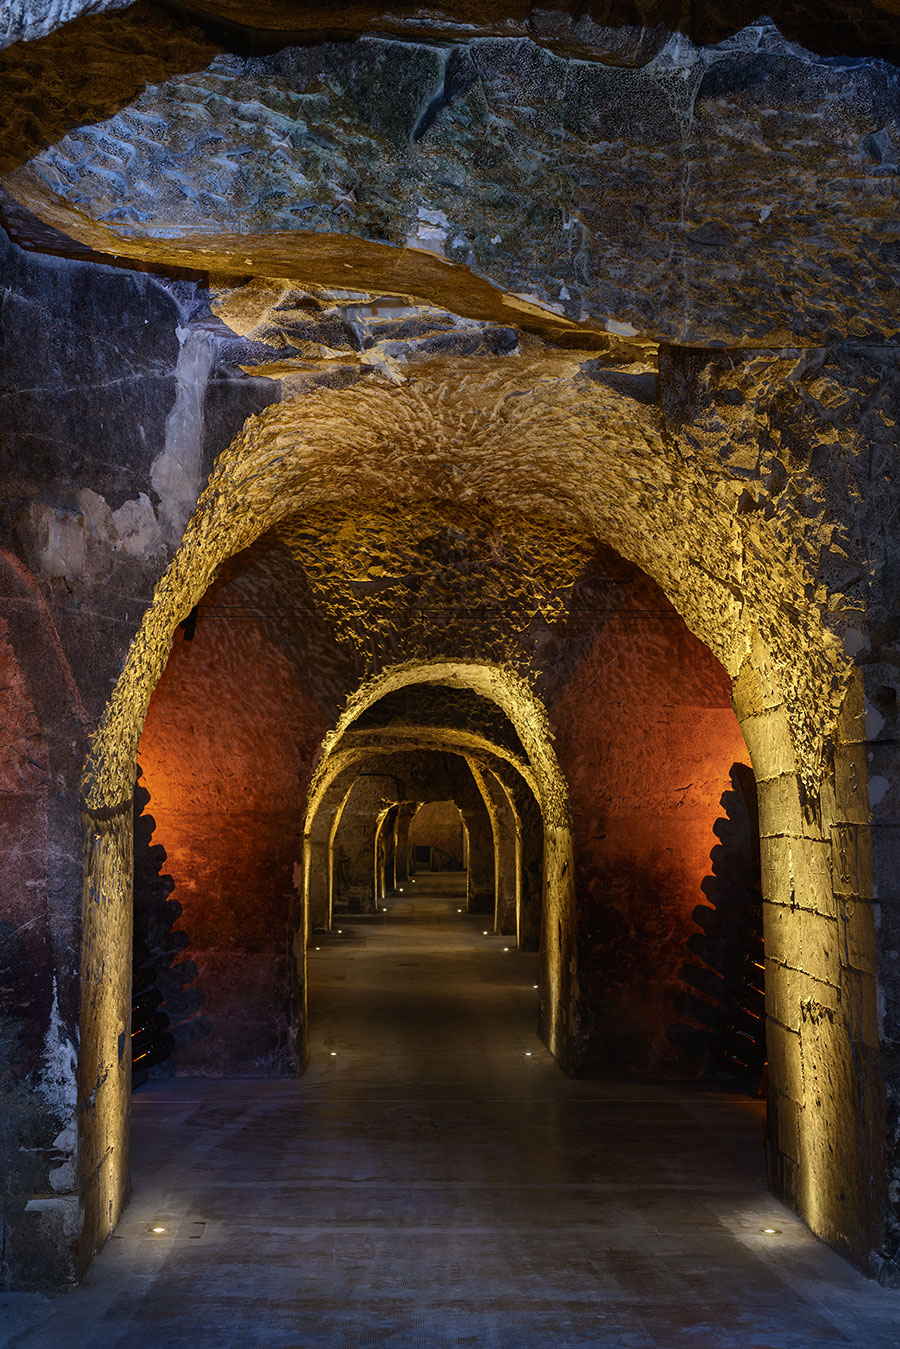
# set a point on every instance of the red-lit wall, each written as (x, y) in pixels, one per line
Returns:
(646, 737)
(226, 754)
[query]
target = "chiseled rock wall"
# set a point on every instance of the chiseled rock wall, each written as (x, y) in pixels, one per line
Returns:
(742, 193)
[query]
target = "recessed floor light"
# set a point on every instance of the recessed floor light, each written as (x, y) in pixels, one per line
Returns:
(771, 1231)
(506, 948)
(528, 1053)
(534, 985)
(334, 1053)
(157, 1230)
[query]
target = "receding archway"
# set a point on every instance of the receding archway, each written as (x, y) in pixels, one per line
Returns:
(271, 471)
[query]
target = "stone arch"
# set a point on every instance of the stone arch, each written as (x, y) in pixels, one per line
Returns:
(516, 699)
(604, 459)
(494, 769)
(612, 467)
(355, 883)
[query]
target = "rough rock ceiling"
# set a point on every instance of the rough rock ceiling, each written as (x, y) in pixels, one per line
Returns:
(398, 579)
(740, 192)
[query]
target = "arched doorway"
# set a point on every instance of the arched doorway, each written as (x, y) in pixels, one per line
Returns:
(259, 483)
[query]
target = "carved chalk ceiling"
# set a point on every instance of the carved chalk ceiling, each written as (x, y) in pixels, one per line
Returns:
(525, 279)
(739, 192)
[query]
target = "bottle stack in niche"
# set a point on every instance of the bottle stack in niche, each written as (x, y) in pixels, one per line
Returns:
(743, 1027)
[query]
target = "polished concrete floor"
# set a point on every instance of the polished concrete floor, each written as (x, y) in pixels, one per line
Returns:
(435, 1181)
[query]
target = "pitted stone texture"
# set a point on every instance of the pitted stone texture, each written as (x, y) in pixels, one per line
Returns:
(88, 71)
(401, 582)
(304, 337)
(664, 200)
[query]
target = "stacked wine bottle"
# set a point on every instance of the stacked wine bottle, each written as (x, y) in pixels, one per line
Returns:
(151, 1041)
(743, 1025)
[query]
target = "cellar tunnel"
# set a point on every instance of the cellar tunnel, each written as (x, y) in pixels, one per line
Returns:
(610, 736)
(478, 465)
(233, 768)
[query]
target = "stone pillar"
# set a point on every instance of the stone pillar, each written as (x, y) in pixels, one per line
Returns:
(104, 1059)
(507, 848)
(388, 842)
(405, 814)
(318, 906)
(825, 1130)
(317, 856)
(480, 881)
(531, 890)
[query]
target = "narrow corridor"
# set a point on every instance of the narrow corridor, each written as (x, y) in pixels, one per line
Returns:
(434, 1180)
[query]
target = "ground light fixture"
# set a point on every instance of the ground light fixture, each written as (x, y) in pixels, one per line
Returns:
(157, 1229)
(771, 1231)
